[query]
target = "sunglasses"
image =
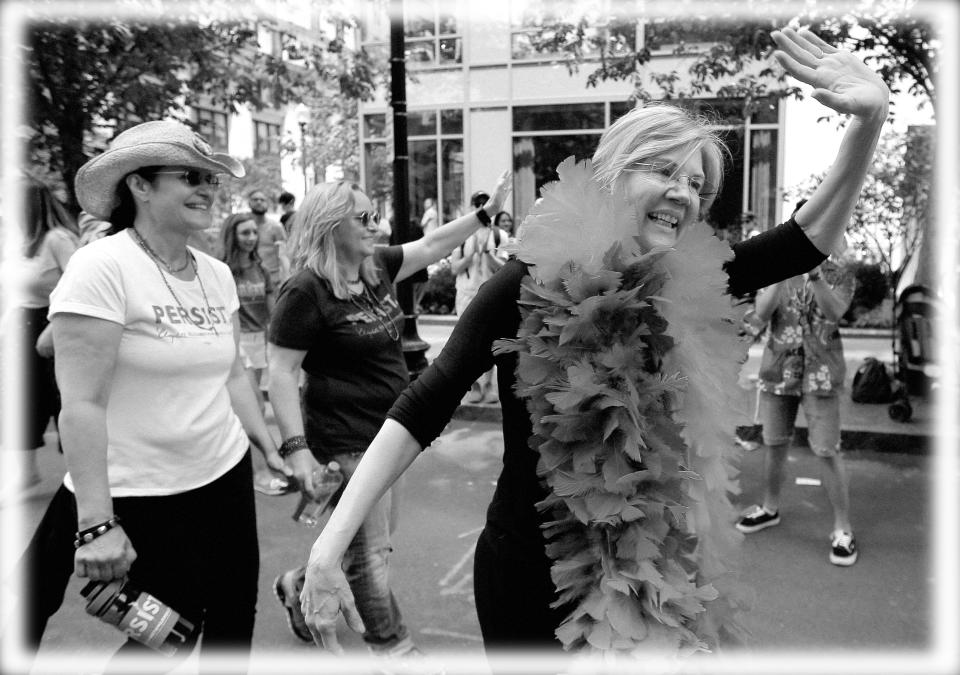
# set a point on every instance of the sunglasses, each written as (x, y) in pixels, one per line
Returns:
(193, 177)
(366, 218)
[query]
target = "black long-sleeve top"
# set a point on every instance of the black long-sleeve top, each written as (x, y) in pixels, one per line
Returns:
(428, 404)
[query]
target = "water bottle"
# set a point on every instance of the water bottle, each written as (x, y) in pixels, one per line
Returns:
(327, 480)
(138, 614)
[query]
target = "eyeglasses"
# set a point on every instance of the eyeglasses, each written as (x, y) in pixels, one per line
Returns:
(666, 176)
(193, 177)
(366, 218)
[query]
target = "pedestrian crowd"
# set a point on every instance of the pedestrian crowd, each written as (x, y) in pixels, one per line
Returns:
(166, 358)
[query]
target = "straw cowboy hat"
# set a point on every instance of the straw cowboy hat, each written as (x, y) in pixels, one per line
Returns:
(160, 143)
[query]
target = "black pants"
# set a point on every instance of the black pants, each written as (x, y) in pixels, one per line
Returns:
(197, 551)
(41, 398)
(513, 591)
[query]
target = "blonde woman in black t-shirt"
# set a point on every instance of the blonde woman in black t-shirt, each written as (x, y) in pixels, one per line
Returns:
(337, 320)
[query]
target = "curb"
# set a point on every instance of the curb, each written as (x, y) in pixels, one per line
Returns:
(852, 440)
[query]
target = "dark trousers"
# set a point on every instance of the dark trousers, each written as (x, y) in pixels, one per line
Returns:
(197, 552)
(513, 592)
(41, 397)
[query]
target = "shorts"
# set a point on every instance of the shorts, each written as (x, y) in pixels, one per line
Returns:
(253, 350)
(779, 413)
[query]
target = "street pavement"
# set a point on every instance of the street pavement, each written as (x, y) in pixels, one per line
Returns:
(879, 611)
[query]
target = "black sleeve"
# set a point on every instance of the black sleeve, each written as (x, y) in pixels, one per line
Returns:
(771, 256)
(428, 404)
(297, 318)
(389, 259)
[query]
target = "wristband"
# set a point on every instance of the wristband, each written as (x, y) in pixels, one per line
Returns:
(813, 277)
(86, 536)
(482, 216)
(291, 445)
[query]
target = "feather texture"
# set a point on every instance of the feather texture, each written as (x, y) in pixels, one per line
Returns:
(628, 362)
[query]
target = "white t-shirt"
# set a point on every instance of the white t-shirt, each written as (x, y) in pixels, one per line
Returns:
(170, 425)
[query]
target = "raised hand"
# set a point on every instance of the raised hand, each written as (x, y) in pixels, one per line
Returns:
(325, 594)
(839, 79)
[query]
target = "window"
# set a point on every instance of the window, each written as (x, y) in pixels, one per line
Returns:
(686, 35)
(212, 125)
(266, 138)
(545, 135)
(535, 33)
(430, 28)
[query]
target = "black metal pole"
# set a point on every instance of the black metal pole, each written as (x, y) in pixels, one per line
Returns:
(414, 348)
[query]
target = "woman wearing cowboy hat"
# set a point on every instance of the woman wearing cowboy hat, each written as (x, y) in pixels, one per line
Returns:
(158, 414)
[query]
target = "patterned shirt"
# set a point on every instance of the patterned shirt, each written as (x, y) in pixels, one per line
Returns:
(803, 353)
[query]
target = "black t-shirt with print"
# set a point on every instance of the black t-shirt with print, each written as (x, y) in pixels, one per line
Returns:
(354, 362)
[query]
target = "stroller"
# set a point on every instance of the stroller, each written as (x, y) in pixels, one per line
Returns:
(913, 348)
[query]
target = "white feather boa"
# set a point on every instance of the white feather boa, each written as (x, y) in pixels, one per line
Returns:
(628, 364)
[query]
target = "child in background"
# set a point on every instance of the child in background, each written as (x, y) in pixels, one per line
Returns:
(257, 295)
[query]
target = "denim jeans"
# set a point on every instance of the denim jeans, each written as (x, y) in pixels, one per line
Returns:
(365, 565)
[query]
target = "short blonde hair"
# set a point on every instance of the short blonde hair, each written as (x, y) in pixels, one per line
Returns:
(651, 130)
(311, 235)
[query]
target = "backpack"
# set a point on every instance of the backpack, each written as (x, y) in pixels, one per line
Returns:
(871, 383)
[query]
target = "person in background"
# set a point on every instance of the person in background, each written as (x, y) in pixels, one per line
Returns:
(272, 237)
(472, 263)
(430, 219)
(667, 166)
(803, 365)
(337, 319)
(504, 221)
(158, 414)
(50, 236)
(288, 205)
(257, 296)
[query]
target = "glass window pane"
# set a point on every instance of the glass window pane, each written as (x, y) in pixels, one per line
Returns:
(763, 177)
(728, 206)
(766, 110)
(418, 18)
(419, 51)
(377, 172)
(720, 111)
(375, 126)
(422, 123)
(556, 117)
(451, 50)
(535, 160)
(448, 24)
(451, 172)
(451, 121)
(423, 177)
(620, 108)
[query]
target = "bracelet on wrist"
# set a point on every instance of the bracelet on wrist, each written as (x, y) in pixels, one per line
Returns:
(86, 536)
(291, 445)
(482, 216)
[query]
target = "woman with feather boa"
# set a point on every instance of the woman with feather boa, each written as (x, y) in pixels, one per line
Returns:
(611, 529)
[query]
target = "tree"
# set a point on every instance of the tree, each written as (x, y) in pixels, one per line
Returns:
(901, 45)
(112, 73)
(888, 224)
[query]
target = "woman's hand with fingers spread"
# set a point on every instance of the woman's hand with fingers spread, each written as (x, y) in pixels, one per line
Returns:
(325, 595)
(840, 80)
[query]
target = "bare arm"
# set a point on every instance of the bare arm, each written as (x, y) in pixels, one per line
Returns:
(285, 398)
(430, 248)
(833, 302)
(460, 258)
(244, 402)
(325, 592)
(844, 83)
(767, 301)
(86, 358)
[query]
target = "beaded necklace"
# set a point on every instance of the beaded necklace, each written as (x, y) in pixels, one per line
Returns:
(370, 304)
(196, 271)
(146, 247)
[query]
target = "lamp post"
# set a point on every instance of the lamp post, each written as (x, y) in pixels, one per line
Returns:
(303, 118)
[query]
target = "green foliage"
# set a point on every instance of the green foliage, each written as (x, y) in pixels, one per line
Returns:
(440, 293)
(88, 77)
(901, 45)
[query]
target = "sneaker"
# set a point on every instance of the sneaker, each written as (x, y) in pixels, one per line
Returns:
(287, 588)
(843, 548)
(749, 438)
(757, 519)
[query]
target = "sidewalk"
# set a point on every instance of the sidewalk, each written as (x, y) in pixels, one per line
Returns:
(865, 426)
